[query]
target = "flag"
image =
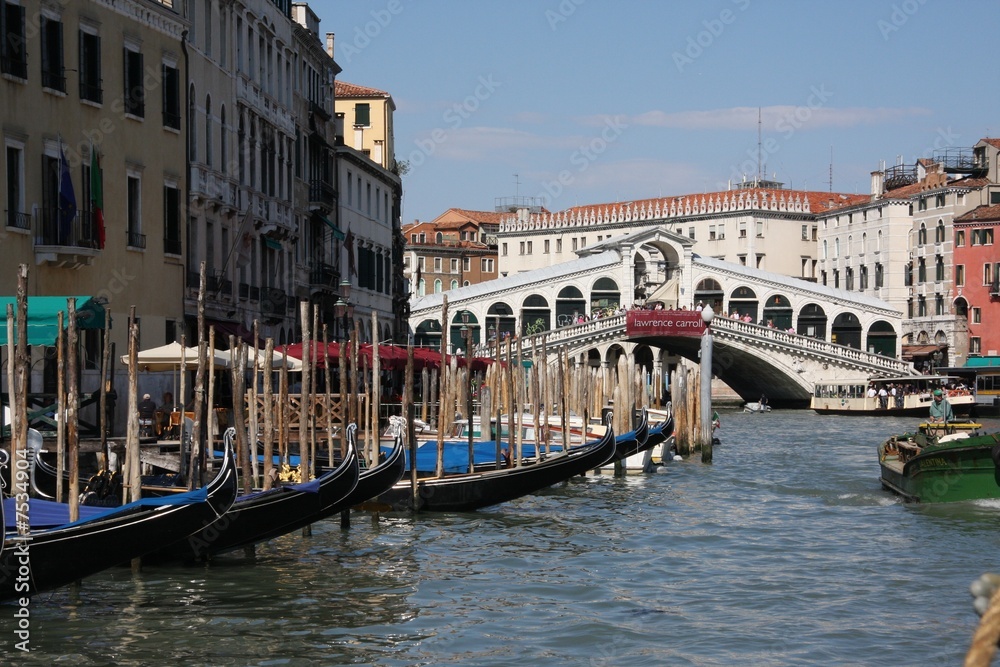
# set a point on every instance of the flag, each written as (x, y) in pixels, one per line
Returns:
(349, 246)
(67, 201)
(97, 196)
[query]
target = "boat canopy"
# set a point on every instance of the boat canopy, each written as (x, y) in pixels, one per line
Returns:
(43, 316)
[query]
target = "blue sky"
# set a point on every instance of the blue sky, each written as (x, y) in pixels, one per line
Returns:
(592, 101)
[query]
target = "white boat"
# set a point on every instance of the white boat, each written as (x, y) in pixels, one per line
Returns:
(913, 395)
(756, 406)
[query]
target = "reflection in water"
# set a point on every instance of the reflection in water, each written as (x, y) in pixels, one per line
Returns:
(785, 550)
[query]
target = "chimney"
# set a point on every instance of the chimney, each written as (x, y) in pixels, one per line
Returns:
(329, 44)
(878, 183)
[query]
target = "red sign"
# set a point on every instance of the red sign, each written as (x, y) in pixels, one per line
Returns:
(645, 323)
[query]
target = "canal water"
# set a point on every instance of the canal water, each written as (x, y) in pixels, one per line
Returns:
(784, 551)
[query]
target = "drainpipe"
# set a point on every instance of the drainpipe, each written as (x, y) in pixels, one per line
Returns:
(187, 217)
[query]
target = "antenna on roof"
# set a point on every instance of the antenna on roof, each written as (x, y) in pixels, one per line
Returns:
(759, 174)
(517, 185)
(831, 168)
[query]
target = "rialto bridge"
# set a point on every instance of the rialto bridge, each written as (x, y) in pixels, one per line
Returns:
(773, 334)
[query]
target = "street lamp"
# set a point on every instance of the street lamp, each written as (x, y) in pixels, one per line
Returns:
(707, 314)
(467, 334)
(343, 308)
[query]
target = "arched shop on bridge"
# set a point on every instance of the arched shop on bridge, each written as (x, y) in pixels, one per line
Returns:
(535, 315)
(778, 311)
(812, 321)
(743, 301)
(605, 294)
(882, 338)
(846, 330)
(570, 304)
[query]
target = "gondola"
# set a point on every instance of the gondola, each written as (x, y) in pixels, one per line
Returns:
(468, 492)
(262, 515)
(46, 558)
(628, 444)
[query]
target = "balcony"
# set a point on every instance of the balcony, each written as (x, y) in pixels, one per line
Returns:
(92, 92)
(962, 161)
(15, 65)
(212, 187)
(321, 194)
(217, 284)
(323, 275)
(272, 301)
(136, 240)
(18, 220)
(172, 246)
(71, 243)
(54, 80)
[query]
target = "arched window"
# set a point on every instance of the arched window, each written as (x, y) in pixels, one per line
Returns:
(439, 238)
(454, 284)
(836, 248)
(241, 138)
(878, 242)
(438, 286)
(864, 243)
(939, 232)
(922, 234)
(850, 242)
(824, 249)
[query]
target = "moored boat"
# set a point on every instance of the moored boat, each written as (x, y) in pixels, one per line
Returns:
(471, 491)
(942, 464)
(64, 551)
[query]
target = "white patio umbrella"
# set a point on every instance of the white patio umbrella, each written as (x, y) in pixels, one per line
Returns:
(291, 363)
(168, 358)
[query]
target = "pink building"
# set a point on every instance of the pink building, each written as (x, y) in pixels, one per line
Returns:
(977, 277)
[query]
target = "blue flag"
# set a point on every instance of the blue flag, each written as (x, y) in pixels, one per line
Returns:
(67, 201)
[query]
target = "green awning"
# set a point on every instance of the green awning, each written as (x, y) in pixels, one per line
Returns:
(43, 316)
(271, 243)
(337, 234)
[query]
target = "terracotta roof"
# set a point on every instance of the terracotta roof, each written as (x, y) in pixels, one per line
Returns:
(989, 213)
(819, 202)
(995, 143)
(916, 188)
(343, 89)
(469, 215)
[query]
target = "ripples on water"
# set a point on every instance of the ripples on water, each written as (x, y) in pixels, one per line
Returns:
(784, 551)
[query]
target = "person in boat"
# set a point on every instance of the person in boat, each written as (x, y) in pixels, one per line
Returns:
(940, 409)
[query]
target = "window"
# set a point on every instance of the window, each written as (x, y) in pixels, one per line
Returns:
(522, 247)
(466, 263)
(439, 238)
(921, 307)
(939, 304)
(13, 55)
(711, 232)
(171, 97)
(921, 270)
(939, 201)
(453, 265)
(171, 220)
(987, 273)
(454, 284)
(437, 265)
(574, 243)
(975, 345)
(959, 275)
(805, 232)
(977, 315)
(690, 232)
(53, 74)
(939, 268)
(849, 279)
(90, 68)
(939, 232)
(823, 252)
(743, 230)
(922, 204)
(722, 231)
(503, 249)
(362, 115)
(836, 278)
(421, 264)
(960, 238)
(135, 94)
(546, 247)
(922, 234)
(879, 276)
(15, 188)
(438, 286)
(760, 229)
(487, 265)
(863, 278)
(836, 248)
(558, 245)
(136, 239)
(529, 247)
